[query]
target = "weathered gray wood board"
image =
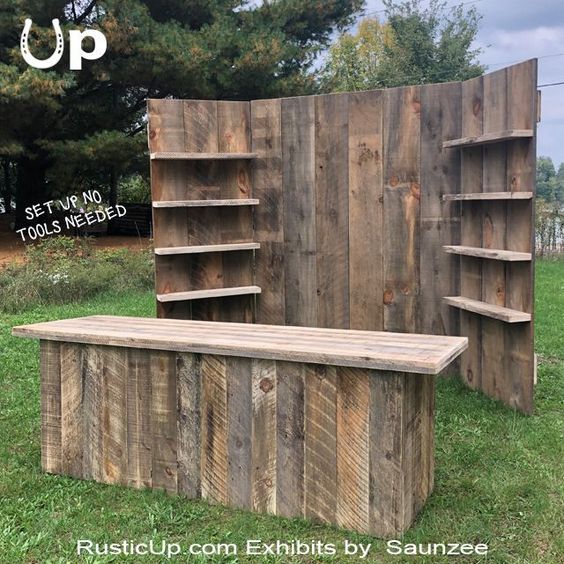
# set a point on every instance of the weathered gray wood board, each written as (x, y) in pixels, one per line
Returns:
(358, 194)
(339, 443)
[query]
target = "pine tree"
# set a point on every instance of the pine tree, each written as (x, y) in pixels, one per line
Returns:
(70, 130)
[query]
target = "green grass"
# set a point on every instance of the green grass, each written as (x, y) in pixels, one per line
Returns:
(499, 475)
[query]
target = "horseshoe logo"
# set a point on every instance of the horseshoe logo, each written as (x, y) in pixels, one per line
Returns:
(53, 59)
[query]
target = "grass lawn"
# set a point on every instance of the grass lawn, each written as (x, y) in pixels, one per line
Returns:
(499, 475)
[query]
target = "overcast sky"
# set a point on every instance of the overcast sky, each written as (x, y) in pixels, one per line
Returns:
(516, 30)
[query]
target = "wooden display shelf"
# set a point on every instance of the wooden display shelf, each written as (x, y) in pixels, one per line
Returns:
(203, 294)
(488, 138)
(495, 254)
(205, 203)
(489, 310)
(179, 156)
(488, 196)
(196, 249)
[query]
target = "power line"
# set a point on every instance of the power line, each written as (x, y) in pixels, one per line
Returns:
(550, 84)
(519, 60)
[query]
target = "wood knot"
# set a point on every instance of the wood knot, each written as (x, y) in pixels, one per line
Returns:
(152, 134)
(388, 297)
(268, 482)
(416, 105)
(169, 471)
(394, 181)
(388, 455)
(415, 189)
(238, 443)
(266, 385)
(476, 106)
(405, 290)
(469, 375)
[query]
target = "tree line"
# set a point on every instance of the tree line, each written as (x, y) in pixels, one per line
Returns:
(64, 132)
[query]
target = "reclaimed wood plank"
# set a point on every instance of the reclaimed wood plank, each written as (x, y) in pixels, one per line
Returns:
(205, 203)
(440, 222)
(234, 136)
(51, 447)
(320, 443)
(186, 156)
(203, 294)
(239, 431)
(521, 170)
(298, 148)
(139, 444)
(188, 397)
(402, 192)
(363, 349)
(290, 439)
(471, 232)
(386, 451)
(266, 124)
(494, 254)
(331, 209)
(263, 465)
(71, 409)
(214, 462)
(494, 229)
(168, 182)
(196, 249)
(114, 415)
(163, 420)
(353, 458)
(489, 196)
(490, 310)
(93, 454)
(488, 138)
(365, 210)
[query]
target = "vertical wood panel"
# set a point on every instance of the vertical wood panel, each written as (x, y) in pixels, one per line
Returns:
(139, 444)
(51, 451)
(269, 215)
(163, 420)
(331, 208)
(521, 169)
(471, 232)
(114, 415)
(71, 409)
(264, 436)
(386, 450)
(188, 397)
(200, 126)
(234, 136)
(298, 149)
(93, 380)
(290, 434)
(239, 431)
(494, 231)
(365, 211)
(321, 442)
(401, 209)
(440, 221)
(168, 182)
(353, 410)
(214, 429)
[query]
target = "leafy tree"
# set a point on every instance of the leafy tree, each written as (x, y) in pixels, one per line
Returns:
(69, 130)
(546, 179)
(414, 45)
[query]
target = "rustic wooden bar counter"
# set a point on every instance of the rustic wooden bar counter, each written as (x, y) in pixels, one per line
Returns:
(335, 425)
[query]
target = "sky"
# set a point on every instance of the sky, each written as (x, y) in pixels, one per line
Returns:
(515, 30)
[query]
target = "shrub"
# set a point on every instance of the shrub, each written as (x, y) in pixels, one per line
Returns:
(64, 269)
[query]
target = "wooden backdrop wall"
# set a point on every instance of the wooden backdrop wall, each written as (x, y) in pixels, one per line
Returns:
(352, 221)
